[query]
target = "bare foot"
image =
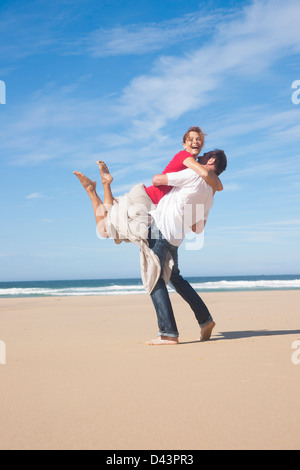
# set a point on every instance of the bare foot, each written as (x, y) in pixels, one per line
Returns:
(89, 185)
(163, 340)
(206, 331)
(106, 177)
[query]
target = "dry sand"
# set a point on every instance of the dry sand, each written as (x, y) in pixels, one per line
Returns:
(78, 375)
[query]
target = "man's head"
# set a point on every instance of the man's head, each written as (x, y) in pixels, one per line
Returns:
(216, 160)
(193, 141)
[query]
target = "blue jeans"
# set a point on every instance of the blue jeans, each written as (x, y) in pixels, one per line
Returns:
(160, 296)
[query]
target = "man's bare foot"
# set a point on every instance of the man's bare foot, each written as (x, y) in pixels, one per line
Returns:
(89, 185)
(206, 331)
(106, 177)
(163, 340)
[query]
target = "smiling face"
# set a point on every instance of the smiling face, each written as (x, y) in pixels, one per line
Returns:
(193, 143)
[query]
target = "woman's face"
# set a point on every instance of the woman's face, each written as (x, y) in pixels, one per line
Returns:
(193, 144)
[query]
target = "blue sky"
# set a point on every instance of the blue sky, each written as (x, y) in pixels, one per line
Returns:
(121, 81)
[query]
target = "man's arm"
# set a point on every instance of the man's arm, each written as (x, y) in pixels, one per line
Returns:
(208, 175)
(177, 178)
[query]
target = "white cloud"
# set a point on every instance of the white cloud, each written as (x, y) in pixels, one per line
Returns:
(178, 85)
(266, 19)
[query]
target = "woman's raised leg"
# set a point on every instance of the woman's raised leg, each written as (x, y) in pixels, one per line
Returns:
(99, 209)
(106, 179)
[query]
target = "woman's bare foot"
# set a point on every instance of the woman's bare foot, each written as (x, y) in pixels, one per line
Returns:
(163, 340)
(106, 177)
(206, 331)
(89, 185)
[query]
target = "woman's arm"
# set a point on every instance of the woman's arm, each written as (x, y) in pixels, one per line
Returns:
(160, 180)
(208, 175)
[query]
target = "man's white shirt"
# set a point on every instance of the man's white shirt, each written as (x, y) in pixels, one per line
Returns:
(187, 204)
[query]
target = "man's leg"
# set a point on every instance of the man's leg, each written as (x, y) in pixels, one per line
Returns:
(185, 290)
(168, 333)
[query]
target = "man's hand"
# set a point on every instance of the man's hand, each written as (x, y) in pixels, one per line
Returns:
(195, 227)
(159, 180)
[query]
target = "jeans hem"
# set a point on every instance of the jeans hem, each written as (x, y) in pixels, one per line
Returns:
(206, 323)
(172, 335)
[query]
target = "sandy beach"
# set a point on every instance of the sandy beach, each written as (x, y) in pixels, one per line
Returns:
(79, 376)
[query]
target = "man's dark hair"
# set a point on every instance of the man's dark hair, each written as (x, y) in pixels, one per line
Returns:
(221, 160)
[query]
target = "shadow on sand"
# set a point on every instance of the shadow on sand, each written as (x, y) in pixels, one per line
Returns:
(246, 334)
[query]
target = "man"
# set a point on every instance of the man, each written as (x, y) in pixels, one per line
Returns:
(117, 225)
(170, 224)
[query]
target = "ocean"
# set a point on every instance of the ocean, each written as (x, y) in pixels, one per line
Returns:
(134, 286)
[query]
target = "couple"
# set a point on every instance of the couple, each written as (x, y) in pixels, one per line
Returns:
(185, 183)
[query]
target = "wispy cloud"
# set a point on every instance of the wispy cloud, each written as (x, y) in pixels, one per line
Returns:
(259, 119)
(283, 224)
(47, 221)
(267, 167)
(232, 187)
(143, 38)
(48, 126)
(279, 232)
(178, 85)
(34, 196)
(51, 34)
(17, 46)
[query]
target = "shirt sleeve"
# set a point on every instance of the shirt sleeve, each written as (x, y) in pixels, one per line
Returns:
(180, 178)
